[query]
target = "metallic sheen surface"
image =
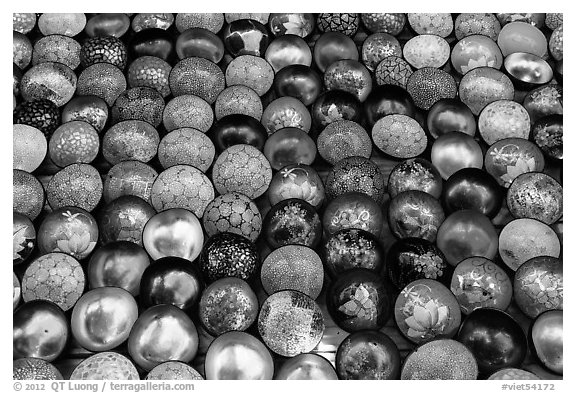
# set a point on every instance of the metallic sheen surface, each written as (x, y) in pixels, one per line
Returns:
(547, 338)
(333, 46)
(299, 81)
(495, 338)
(288, 146)
(306, 366)
(528, 70)
(103, 317)
(288, 50)
(40, 330)
(473, 188)
(173, 232)
(171, 280)
(454, 151)
(162, 333)
(467, 233)
(118, 264)
(199, 42)
(238, 356)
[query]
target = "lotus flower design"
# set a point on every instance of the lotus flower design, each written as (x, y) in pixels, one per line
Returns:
(427, 319)
(77, 245)
(521, 166)
(360, 304)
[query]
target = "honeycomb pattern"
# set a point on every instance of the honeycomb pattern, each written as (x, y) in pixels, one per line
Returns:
(251, 71)
(440, 24)
(102, 80)
(105, 366)
(130, 140)
(34, 369)
(91, 109)
(399, 136)
(74, 142)
(78, 185)
(342, 139)
(238, 99)
(53, 81)
(23, 22)
(208, 21)
(234, 213)
(553, 20)
(106, 49)
(124, 219)
(244, 169)
(503, 119)
(471, 24)
(173, 370)
(427, 51)
(197, 76)
(129, 178)
(150, 71)
(259, 17)
(42, 114)
(186, 146)
(57, 48)
(293, 267)
(27, 194)
(182, 186)
(29, 147)
(68, 24)
(384, 23)
(187, 111)
(21, 50)
(56, 277)
(139, 103)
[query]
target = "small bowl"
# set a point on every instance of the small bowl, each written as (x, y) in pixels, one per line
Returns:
(527, 71)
